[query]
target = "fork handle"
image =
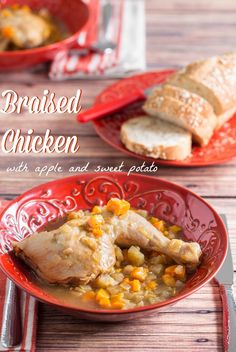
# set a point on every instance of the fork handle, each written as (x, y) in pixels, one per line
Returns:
(11, 334)
(107, 11)
(104, 109)
(229, 318)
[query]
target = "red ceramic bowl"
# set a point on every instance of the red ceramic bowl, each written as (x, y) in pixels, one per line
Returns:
(46, 203)
(73, 13)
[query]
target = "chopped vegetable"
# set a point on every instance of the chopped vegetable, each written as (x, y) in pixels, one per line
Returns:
(95, 221)
(152, 285)
(6, 13)
(135, 285)
(104, 280)
(157, 269)
(90, 295)
(119, 255)
(158, 224)
(170, 270)
(15, 6)
(139, 273)
(177, 271)
(96, 210)
(7, 32)
(166, 233)
(75, 215)
(117, 303)
(105, 302)
(102, 294)
(126, 280)
(135, 257)
(168, 280)
(118, 206)
(127, 269)
(175, 229)
(26, 8)
(97, 232)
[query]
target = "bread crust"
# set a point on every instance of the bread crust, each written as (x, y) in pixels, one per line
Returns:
(184, 109)
(214, 79)
(175, 152)
(223, 118)
(199, 98)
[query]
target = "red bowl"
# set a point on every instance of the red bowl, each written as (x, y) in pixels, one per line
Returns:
(46, 203)
(73, 13)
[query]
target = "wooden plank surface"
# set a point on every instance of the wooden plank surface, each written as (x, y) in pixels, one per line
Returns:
(178, 31)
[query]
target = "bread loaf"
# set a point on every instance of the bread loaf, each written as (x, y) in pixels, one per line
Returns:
(184, 109)
(213, 79)
(146, 135)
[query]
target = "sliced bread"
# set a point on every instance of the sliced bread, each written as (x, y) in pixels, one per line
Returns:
(215, 80)
(146, 135)
(184, 109)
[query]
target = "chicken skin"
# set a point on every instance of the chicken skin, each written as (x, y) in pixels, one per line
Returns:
(69, 254)
(84, 247)
(133, 229)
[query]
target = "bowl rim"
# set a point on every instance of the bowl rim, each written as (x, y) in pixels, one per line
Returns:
(110, 312)
(64, 43)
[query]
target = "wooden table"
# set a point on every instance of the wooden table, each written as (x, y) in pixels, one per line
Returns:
(178, 31)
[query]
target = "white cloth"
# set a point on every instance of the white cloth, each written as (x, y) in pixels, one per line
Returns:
(127, 31)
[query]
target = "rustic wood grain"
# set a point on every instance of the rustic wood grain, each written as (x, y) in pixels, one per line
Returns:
(178, 31)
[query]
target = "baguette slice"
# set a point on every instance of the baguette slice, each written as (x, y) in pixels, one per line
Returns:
(184, 109)
(213, 79)
(146, 135)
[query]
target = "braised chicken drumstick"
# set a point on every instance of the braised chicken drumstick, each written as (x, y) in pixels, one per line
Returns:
(84, 247)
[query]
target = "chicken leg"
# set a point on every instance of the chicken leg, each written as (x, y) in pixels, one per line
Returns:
(68, 254)
(83, 248)
(133, 229)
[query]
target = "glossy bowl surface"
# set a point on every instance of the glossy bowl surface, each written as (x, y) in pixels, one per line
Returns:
(73, 13)
(49, 202)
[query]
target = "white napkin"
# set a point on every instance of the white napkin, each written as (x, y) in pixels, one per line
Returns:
(127, 31)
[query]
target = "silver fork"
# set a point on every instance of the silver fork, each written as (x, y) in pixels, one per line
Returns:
(11, 334)
(104, 44)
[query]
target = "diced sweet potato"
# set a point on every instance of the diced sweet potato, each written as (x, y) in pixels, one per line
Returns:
(158, 224)
(152, 285)
(95, 221)
(180, 272)
(118, 206)
(88, 296)
(135, 285)
(105, 302)
(168, 280)
(97, 232)
(139, 273)
(117, 303)
(177, 271)
(96, 210)
(102, 294)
